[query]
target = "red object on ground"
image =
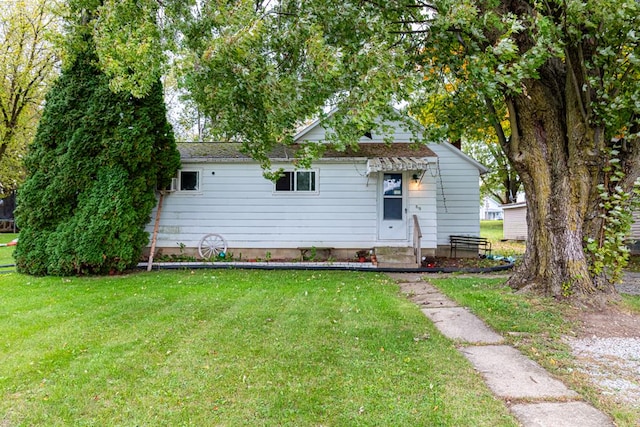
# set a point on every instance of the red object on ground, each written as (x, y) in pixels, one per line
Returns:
(14, 242)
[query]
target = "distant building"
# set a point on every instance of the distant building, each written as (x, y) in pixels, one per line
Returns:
(490, 209)
(634, 238)
(515, 221)
(7, 206)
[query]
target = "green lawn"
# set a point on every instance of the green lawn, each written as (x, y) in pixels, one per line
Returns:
(492, 230)
(229, 348)
(6, 252)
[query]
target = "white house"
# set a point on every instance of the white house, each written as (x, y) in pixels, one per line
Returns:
(373, 198)
(490, 209)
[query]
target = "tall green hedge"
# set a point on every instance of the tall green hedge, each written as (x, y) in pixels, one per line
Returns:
(93, 168)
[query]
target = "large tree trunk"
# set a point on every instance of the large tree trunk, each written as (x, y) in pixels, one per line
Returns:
(558, 157)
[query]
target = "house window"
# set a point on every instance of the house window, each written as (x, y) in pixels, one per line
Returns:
(299, 181)
(189, 180)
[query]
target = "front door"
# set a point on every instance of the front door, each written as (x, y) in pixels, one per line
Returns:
(392, 207)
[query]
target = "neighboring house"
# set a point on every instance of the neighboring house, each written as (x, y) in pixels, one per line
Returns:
(7, 206)
(634, 238)
(515, 225)
(490, 209)
(347, 201)
(515, 221)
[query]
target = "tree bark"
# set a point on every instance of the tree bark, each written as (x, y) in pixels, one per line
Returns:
(558, 156)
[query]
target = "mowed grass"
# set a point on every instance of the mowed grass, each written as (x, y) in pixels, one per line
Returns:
(493, 230)
(6, 252)
(229, 348)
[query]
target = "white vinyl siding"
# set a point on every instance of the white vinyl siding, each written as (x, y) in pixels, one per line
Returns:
(240, 204)
(458, 194)
(635, 226)
(634, 236)
(318, 133)
(515, 221)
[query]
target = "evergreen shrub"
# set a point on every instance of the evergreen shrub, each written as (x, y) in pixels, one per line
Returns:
(93, 168)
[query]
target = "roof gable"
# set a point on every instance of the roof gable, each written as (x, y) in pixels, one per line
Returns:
(314, 132)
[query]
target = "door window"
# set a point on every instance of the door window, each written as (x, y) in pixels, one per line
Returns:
(392, 203)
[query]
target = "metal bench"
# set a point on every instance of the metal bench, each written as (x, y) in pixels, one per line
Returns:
(469, 243)
(7, 225)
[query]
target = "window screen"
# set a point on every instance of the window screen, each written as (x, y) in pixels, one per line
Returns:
(305, 181)
(297, 181)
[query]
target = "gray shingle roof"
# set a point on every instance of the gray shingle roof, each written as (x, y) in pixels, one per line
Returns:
(231, 151)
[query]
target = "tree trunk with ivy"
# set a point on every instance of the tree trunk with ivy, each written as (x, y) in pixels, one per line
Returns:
(561, 159)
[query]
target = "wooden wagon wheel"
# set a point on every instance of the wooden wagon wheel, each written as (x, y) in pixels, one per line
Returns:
(212, 245)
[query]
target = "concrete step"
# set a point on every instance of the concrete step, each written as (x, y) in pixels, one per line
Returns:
(396, 257)
(393, 251)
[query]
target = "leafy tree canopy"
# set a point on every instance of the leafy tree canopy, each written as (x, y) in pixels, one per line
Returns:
(258, 67)
(28, 30)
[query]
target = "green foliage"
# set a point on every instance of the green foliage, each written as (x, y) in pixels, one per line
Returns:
(93, 169)
(609, 252)
(502, 182)
(259, 68)
(128, 45)
(27, 69)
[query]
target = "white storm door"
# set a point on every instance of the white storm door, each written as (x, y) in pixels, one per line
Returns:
(392, 207)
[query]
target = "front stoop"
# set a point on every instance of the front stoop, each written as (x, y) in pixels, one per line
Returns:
(392, 257)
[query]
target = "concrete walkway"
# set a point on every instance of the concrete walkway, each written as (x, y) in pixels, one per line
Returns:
(541, 399)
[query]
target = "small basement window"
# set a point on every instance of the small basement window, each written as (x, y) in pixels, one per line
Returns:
(297, 181)
(189, 180)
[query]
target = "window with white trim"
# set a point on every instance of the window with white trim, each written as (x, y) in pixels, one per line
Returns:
(189, 180)
(297, 181)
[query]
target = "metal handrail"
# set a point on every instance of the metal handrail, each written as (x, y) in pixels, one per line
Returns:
(417, 237)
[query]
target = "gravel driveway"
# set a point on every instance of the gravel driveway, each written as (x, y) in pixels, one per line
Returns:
(630, 284)
(608, 349)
